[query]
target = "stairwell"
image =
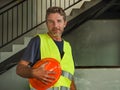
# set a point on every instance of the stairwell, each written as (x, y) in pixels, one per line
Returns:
(21, 42)
(7, 60)
(85, 77)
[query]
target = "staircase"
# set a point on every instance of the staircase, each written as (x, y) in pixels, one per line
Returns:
(89, 34)
(10, 55)
(75, 10)
(15, 48)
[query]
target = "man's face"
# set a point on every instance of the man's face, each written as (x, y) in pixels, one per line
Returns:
(55, 24)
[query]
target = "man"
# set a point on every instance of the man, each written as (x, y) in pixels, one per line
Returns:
(49, 45)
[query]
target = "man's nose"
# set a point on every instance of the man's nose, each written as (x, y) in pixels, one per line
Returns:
(55, 24)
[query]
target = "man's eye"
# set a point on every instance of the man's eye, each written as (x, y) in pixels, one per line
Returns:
(59, 21)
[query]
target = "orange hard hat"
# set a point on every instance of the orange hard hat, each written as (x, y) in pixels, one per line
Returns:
(52, 65)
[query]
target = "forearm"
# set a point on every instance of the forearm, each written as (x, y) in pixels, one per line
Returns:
(72, 86)
(24, 71)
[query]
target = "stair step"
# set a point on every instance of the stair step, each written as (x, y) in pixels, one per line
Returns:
(26, 40)
(15, 48)
(84, 5)
(75, 12)
(78, 5)
(81, 7)
(71, 13)
(42, 29)
(5, 55)
(69, 18)
(88, 5)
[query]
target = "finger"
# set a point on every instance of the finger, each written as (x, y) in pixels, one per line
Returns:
(49, 75)
(51, 72)
(47, 80)
(44, 64)
(46, 77)
(53, 68)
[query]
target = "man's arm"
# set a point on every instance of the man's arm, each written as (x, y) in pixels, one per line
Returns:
(72, 86)
(24, 70)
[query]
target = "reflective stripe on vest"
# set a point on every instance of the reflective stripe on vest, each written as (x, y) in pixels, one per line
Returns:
(67, 75)
(56, 88)
(59, 88)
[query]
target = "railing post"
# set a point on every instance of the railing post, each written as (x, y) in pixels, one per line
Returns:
(50, 3)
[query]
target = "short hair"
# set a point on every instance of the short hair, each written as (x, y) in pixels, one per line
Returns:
(55, 9)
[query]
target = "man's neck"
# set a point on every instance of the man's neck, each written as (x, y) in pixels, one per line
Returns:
(56, 38)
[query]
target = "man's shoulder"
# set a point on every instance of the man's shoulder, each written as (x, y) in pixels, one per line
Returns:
(36, 38)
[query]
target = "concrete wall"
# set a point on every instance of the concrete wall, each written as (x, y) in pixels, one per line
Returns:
(96, 43)
(97, 79)
(85, 79)
(11, 81)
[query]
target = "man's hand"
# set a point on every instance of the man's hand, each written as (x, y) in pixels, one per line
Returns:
(43, 75)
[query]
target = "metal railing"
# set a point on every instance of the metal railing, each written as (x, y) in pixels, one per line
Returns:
(5, 5)
(25, 16)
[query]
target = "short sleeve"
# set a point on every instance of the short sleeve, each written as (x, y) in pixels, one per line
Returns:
(32, 51)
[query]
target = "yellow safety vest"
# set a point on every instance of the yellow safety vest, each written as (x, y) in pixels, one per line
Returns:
(50, 50)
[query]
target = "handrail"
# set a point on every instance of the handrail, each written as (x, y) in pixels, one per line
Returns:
(11, 6)
(4, 6)
(19, 19)
(7, 4)
(72, 4)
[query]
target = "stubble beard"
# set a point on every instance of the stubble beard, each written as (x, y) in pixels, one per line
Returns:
(56, 34)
